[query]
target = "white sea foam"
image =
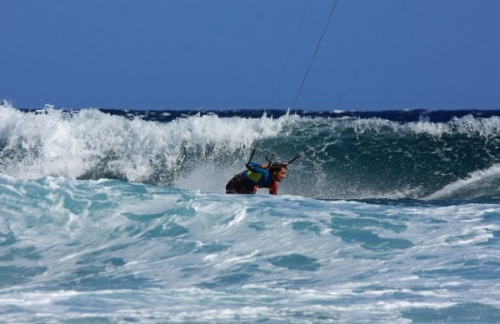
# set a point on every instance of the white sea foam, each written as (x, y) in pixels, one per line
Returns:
(477, 182)
(194, 256)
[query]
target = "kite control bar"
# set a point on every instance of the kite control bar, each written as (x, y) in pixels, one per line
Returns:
(299, 155)
(270, 160)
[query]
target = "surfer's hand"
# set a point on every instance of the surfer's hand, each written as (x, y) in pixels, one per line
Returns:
(263, 166)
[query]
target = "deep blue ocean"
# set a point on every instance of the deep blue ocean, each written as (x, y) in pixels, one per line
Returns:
(118, 216)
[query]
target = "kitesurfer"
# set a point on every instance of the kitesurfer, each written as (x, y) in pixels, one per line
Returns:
(258, 176)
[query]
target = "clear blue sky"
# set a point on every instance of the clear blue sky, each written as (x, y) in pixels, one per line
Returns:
(230, 54)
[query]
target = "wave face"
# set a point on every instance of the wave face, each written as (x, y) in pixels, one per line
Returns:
(390, 155)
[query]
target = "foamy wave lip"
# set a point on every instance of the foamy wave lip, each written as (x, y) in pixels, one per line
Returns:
(73, 144)
(469, 125)
(475, 182)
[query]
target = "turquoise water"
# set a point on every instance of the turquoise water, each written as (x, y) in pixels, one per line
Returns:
(118, 252)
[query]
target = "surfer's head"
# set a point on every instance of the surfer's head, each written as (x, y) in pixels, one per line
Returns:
(278, 171)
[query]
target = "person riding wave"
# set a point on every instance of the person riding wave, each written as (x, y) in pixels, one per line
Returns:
(257, 176)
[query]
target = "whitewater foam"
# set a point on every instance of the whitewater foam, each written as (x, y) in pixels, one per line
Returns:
(116, 251)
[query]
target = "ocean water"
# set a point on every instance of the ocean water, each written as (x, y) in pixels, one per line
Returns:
(115, 216)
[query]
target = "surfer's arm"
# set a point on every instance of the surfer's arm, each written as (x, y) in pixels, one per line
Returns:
(273, 190)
